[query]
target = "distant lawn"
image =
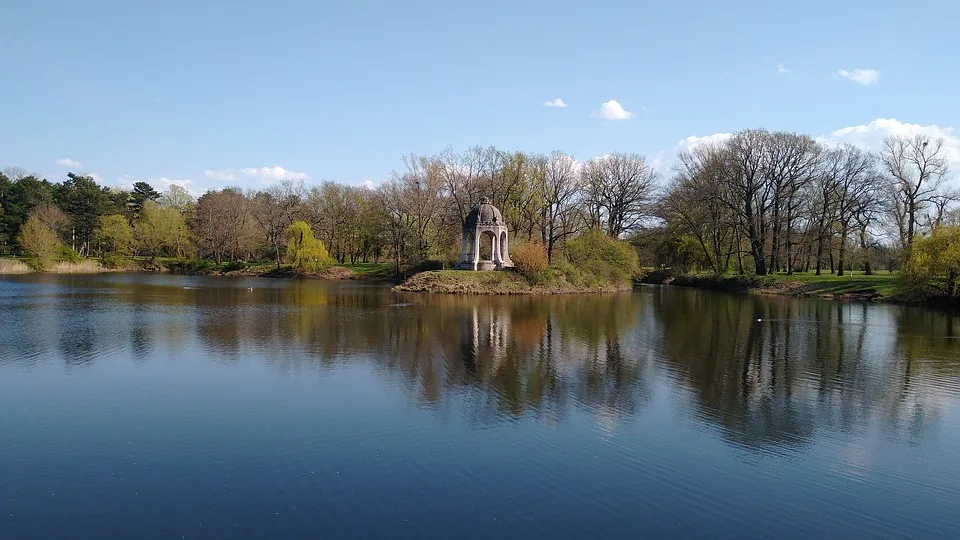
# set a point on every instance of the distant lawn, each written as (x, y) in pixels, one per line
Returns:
(370, 269)
(882, 283)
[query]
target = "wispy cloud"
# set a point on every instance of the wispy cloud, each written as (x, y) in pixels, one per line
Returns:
(266, 175)
(556, 102)
(782, 70)
(612, 110)
(273, 174)
(225, 175)
(861, 76)
(67, 162)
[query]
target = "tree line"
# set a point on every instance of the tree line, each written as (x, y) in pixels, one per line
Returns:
(760, 201)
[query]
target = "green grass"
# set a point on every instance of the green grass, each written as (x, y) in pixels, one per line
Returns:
(370, 270)
(493, 282)
(882, 283)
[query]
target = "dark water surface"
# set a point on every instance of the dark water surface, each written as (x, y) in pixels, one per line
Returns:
(143, 407)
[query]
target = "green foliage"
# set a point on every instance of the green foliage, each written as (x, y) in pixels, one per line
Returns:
(932, 265)
(67, 254)
(84, 202)
(160, 230)
(39, 241)
(601, 258)
(19, 199)
(113, 260)
(114, 235)
(142, 192)
(233, 266)
(306, 253)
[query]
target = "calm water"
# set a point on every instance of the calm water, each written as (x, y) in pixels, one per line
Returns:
(168, 407)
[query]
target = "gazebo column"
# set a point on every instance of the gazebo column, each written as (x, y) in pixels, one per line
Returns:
(476, 248)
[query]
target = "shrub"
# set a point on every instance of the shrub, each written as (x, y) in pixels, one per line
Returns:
(529, 258)
(233, 266)
(68, 255)
(113, 260)
(607, 259)
(40, 241)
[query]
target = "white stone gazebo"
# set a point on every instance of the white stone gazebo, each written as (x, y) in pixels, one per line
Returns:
(484, 226)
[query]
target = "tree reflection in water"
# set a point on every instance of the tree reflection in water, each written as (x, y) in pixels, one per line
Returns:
(770, 372)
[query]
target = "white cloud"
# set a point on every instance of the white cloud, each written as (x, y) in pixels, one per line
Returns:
(67, 162)
(273, 174)
(870, 136)
(96, 177)
(266, 175)
(369, 184)
(781, 69)
(557, 102)
(692, 142)
(225, 175)
(612, 110)
(861, 76)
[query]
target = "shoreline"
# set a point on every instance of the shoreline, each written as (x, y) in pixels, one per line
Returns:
(875, 288)
(496, 284)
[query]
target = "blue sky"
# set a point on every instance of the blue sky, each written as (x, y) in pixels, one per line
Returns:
(214, 93)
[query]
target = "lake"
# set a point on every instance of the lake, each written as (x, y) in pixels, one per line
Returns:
(158, 406)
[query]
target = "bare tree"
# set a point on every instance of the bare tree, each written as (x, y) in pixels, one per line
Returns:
(856, 186)
(274, 209)
(747, 191)
(694, 199)
(916, 168)
(619, 190)
(15, 173)
(559, 192)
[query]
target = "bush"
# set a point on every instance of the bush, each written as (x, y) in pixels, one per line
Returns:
(604, 258)
(68, 255)
(113, 260)
(233, 266)
(529, 258)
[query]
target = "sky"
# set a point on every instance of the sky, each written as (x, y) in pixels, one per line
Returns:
(211, 93)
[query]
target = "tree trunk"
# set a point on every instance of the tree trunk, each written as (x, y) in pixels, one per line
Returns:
(843, 249)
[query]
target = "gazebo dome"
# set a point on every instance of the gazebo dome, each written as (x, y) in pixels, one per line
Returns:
(484, 213)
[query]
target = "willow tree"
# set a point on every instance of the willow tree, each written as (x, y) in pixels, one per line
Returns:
(304, 251)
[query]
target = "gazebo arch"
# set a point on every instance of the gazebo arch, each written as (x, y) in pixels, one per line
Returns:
(484, 224)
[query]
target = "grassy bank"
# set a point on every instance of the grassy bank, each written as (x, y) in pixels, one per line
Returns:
(853, 286)
(497, 283)
(369, 271)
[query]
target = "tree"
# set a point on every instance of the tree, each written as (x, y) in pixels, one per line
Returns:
(274, 209)
(20, 198)
(916, 168)
(619, 188)
(39, 240)
(84, 201)
(114, 235)
(221, 223)
(158, 230)
(694, 202)
(304, 251)
(559, 191)
(933, 263)
(176, 196)
(142, 192)
(856, 189)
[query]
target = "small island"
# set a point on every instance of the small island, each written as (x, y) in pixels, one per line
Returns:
(485, 265)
